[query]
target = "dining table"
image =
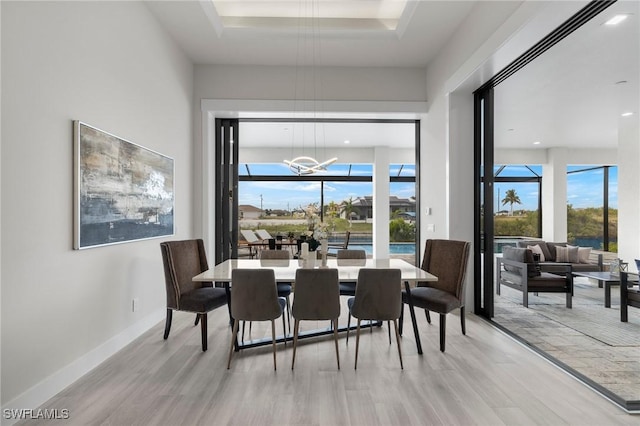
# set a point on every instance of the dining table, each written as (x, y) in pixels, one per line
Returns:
(348, 269)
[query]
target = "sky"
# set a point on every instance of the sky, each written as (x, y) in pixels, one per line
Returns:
(584, 189)
(292, 195)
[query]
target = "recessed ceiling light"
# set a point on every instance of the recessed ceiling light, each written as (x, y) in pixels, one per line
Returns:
(627, 114)
(347, 142)
(616, 20)
(537, 142)
(510, 130)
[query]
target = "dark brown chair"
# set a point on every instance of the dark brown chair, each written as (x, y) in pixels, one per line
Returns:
(340, 246)
(317, 298)
(182, 261)
(254, 297)
(378, 297)
(629, 294)
(447, 260)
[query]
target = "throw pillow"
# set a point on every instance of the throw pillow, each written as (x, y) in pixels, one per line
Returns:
(566, 254)
(547, 254)
(583, 254)
(537, 250)
(552, 251)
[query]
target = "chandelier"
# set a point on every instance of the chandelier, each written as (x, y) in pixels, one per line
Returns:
(305, 164)
(308, 165)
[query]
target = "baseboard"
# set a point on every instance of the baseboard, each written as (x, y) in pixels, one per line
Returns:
(50, 386)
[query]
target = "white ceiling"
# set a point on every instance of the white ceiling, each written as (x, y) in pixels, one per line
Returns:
(195, 26)
(308, 135)
(566, 97)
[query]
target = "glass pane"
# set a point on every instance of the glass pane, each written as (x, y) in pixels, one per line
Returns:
(398, 170)
(516, 210)
(585, 204)
(402, 220)
(517, 171)
(613, 209)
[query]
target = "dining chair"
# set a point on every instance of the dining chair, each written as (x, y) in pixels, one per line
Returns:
(317, 298)
(349, 288)
(284, 288)
(182, 261)
(254, 297)
(447, 260)
(378, 297)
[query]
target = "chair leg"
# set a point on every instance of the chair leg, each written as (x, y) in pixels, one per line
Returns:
(355, 366)
(296, 326)
(462, 323)
(288, 315)
(401, 319)
(284, 329)
(389, 330)
(197, 319)
(348, 325)
(234, 336)
(395, 327)
(167, 324)
(443, 327)
(242, 336)
(335, 339)
(203, 328)
(273, 339)
(426, 313)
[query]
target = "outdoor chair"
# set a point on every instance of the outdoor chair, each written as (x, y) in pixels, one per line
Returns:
(518, 270)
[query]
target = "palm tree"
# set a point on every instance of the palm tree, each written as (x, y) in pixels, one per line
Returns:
(347, 208)
(511, 197)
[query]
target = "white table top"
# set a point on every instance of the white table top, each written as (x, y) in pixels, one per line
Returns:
(285, 270)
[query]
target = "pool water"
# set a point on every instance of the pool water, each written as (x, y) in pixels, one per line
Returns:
(394, 248)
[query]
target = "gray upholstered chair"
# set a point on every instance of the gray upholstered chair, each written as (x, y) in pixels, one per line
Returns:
(378, 297)
(254, 297)
(317, 298)
(447, 260)
(284, 289)
(182, 261)
(349, 289)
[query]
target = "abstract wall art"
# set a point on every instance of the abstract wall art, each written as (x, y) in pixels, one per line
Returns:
(123, 191)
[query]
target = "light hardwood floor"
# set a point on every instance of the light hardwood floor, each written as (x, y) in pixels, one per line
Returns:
(484, 378)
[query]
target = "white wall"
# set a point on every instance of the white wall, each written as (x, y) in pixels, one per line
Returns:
(110, 65)
(222, 86)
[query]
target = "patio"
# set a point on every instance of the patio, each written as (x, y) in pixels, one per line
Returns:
(589, 338)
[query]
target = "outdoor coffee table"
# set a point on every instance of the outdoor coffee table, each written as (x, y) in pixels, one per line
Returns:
(606, 279)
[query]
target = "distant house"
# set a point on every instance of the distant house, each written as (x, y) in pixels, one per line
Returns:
(249, 212)
(363, 207)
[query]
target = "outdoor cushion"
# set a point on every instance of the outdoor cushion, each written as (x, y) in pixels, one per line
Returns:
(583, 253)
(537, 249)
(567, 254)
(552, 250)
(520, 255)
(543, 247)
